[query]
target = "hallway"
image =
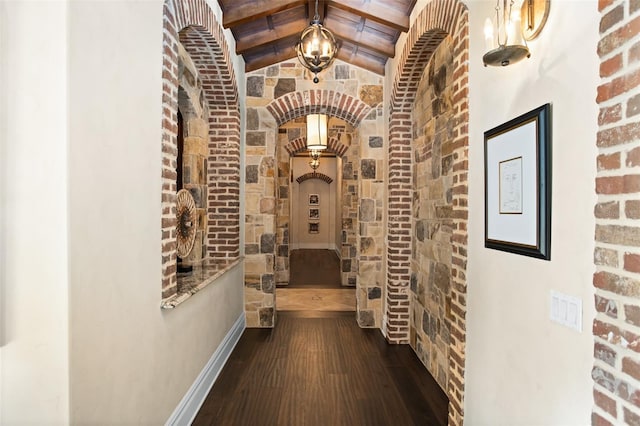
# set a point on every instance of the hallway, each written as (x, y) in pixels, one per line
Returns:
(314, 284)
(320, 368)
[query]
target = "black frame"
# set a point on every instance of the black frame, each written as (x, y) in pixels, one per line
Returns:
(542, 248)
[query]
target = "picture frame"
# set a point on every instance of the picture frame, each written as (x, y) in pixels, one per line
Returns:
(314, 213)
(314, 199)
(517, 185)
(314, 227)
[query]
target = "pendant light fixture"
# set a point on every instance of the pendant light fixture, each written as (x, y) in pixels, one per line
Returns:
(315, 159)
(503, 37)
(317, 132)
(317, 47)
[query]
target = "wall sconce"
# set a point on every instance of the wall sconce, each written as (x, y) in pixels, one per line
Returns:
(317, 132)
(506, 37)
(503, 37)
(317, 47)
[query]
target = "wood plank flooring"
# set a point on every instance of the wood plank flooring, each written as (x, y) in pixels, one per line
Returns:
(320, 368)
(314, 268)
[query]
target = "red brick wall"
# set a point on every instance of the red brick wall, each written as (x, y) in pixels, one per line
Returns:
(193, 24)
(437, 20)
(616, 328)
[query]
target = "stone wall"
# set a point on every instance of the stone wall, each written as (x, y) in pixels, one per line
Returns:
(275, 96)
(438, 20)
(432, 209)
(616, 328)
(195, 134)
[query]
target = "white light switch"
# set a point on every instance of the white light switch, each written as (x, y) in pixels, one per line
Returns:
(566, 310)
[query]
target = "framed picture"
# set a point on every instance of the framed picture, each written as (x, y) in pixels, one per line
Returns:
(517, 185)
(314, 199)
(314, 227)
(314, 213)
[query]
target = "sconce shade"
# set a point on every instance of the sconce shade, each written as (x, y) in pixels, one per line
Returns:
(317, 132)
(317, 47)
(504, 39)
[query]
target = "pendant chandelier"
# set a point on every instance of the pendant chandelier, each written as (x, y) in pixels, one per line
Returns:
(504, 39)
(317, 47)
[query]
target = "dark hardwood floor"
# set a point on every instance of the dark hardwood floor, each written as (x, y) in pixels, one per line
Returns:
(320, 368)
(314, 268)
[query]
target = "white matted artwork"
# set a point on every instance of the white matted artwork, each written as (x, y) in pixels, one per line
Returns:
(314, 213)
(517, 171)
(314, 199)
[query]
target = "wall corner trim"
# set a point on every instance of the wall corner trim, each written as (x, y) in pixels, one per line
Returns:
(186, 411)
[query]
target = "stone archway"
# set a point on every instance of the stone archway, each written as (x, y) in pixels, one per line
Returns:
(193, 24)
(267, 180)
(439, 19)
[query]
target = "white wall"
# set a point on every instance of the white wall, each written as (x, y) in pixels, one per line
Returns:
(521, 368)
(33, 165)
(131, 362)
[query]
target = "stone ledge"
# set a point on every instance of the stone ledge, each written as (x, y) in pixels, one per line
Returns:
(202, 275)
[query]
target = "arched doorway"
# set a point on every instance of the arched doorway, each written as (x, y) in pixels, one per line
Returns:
(419, 168)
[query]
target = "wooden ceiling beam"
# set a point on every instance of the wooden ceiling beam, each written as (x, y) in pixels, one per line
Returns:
(376, 11)
(362, 62)
(369, 41)
(263, 38)
(243, 12)
(269, 59)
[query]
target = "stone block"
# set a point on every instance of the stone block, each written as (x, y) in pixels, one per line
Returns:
(251, 174)
(341, 72)
(253, 119)
(273, 71)
(367, 210)
(266, 317)
(371, 94)
(374, 293)
(284, 86)
(367, 246)
(267, 167)
(375, 142)
(267, 243)
(251, 249)
(368, 168)
(255, 86)
(268, 283)
(366, 318)
(256, 139)
(268, 205)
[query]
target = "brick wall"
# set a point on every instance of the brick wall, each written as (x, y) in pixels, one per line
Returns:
(192, 23)
(616, 328)
(439, 19)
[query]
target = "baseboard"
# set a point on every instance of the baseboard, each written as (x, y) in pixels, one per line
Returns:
(186, 411)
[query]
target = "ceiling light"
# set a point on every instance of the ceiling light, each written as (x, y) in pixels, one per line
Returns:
(317, 132)
(503, 37)
(317, 47)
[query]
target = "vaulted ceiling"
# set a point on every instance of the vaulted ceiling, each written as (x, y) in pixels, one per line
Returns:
(266, 31)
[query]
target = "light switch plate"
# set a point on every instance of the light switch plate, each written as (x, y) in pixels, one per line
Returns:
(566, 310)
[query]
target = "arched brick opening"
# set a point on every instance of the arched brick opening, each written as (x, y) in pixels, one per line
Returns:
(335, 104)
(439, 19)
(333, 145)
(193, 24)
(314, 175)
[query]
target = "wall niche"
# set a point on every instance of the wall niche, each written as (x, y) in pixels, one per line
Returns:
(191, 167)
